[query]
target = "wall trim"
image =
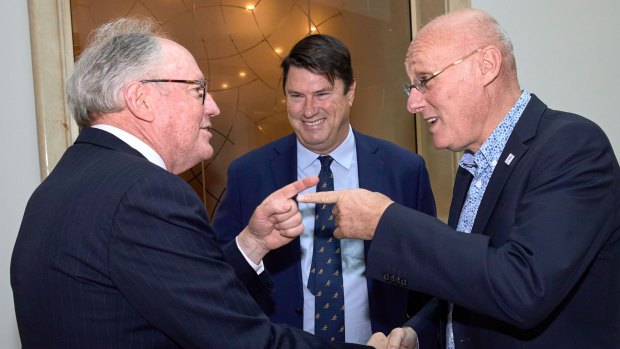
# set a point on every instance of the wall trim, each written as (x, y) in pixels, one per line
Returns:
(52, 60)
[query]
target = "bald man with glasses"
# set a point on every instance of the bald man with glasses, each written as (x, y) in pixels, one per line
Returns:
(530, 256)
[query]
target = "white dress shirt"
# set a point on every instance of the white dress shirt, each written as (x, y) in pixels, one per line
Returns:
(134, 142)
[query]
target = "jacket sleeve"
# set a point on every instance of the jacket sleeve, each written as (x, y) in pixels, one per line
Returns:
(164, 259)
(537, 249)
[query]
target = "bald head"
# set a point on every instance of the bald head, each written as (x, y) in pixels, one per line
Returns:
(463, 76)
(464, 31)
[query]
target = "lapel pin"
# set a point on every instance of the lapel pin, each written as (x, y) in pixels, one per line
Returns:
(509, 159)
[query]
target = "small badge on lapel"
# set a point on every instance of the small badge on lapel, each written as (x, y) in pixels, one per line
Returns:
(509, 159)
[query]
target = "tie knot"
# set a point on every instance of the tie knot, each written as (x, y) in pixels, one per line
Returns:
(326, 161)
(468, 160)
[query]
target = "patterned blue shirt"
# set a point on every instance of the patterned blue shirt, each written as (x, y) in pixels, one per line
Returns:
(484, 161)
(481, 166)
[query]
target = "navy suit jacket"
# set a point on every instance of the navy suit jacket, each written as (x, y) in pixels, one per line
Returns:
(541, 268)
(382, 167)
(115, 252)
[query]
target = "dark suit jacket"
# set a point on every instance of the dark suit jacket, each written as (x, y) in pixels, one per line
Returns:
(541, 268)
(115, 252)
(382, 166)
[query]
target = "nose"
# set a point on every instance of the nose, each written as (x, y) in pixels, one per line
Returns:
(309, 108)
(210, 108)
(415, 101)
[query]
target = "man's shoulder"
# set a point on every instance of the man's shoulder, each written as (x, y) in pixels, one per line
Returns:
(115, 168)
(262, 154)
(384, 147)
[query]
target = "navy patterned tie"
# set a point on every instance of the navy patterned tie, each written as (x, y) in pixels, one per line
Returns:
(325, 279)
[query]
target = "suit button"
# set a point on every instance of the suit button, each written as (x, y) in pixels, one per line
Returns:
(299, 311)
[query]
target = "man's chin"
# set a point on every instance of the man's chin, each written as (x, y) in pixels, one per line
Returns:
(206, 154)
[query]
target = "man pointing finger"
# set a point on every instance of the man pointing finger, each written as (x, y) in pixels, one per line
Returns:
(357, 210)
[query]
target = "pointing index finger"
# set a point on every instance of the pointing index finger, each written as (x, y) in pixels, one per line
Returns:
(324, 197)
(294, 188)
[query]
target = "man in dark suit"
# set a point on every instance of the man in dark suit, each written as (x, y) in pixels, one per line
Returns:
(115, 250)
(531, 255)
(319, 87)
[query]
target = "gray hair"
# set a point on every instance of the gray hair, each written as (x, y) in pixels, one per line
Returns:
(118, 52)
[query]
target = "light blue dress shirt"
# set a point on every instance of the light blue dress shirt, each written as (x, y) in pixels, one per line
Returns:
(357, 311)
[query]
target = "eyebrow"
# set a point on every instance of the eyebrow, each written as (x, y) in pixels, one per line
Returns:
(323, 90)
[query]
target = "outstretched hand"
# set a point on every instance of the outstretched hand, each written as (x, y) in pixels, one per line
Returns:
(357, 211)
(275, 222)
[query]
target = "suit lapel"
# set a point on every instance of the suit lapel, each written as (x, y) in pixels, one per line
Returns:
(511, 155)
(515, 148)
(370, 165)
(459, 194)
(284, 161)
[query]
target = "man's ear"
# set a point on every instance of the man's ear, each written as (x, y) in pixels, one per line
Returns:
(351, 93)
(138, 102)
(490, 64)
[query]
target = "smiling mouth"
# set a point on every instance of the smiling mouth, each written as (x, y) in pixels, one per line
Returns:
(313, 123)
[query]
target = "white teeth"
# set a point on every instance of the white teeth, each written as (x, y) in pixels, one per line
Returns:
(431, 120)
(314, 123)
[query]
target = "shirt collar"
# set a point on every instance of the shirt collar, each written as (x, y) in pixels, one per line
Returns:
(149, 153)
(343, 154)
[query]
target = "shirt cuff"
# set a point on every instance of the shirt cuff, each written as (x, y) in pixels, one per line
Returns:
(258, 268)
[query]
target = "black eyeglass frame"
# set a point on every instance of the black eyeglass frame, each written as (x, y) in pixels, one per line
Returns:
(202, 83)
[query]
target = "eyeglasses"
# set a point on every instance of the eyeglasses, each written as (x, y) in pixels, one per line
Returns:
(420, 83)
(202, 89)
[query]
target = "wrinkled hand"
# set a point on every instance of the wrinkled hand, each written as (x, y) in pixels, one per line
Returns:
(357, 211)
(402, 338)
(275, 222)
(378, 341)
